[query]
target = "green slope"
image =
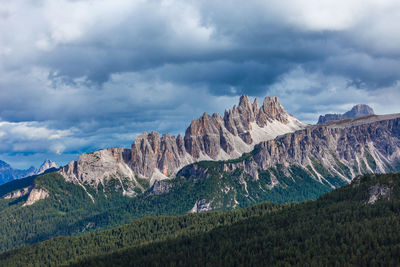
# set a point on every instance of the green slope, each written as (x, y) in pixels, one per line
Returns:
(227, 189)
(60, 214)
(337, 229)
(138, 232)
(69, 210)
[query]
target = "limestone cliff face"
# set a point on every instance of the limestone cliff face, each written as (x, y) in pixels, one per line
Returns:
(201, 206)
(18, 193)
(158, 157)
(99, 167)
(35, 195)
(379, 192)
(339, 150)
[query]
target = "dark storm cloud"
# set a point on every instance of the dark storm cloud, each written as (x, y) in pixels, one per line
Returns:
(93, 74)
(254, 48)
(249, 59)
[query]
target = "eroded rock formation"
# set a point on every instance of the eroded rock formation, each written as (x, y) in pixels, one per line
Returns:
(156, 157)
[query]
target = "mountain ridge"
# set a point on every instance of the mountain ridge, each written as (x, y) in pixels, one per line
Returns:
(342, 149)
(8, 173)
(156, 157)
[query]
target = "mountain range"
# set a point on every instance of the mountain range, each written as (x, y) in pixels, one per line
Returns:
(251, 154)
(154, 157)
(7, 173)
(259, 140)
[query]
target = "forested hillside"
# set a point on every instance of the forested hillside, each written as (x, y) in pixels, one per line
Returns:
(68, 210)
(345, 227)
(138, 232)
(355, 224)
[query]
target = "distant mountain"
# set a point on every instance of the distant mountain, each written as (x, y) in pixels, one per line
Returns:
(357, 111)
(7, 173)
(47, 164)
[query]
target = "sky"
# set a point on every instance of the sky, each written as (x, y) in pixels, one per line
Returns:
(82, 75)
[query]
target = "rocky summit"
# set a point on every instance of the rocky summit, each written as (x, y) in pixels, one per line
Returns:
(357, 111)
(46, 165)
(211, 137)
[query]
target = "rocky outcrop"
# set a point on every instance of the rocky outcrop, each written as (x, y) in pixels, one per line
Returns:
(160, 187)
(339, 150)
(196, 171)
(201, 206)
(18, 193)
(357, 111)
(156, 157)
(379, 192)
(35, 195)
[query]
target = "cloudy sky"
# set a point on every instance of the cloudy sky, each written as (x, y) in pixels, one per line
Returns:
(80, 75)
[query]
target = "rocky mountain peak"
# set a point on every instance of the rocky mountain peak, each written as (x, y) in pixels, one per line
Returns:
(4, 165)
(255, 105)
(47, 164)
(245, 102)
(271, 110)
(359, 110)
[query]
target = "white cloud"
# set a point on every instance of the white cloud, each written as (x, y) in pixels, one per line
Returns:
(58, 148)
(31, 137)
(31, 131)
